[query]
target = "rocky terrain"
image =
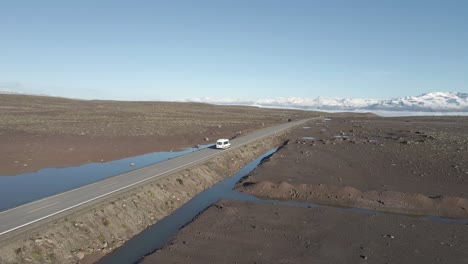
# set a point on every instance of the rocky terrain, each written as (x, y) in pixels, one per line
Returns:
(399, 169)
(414, 166)
(244, 232)
(39, 132)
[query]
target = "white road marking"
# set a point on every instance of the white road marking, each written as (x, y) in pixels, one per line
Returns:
(43, 207)
(97, 197)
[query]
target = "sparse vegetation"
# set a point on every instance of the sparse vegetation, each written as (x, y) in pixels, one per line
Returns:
(52, 115)
(101, 238)
(36, 255)
(106, 222)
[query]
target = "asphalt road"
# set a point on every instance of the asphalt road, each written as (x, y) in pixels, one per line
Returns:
(42, 210)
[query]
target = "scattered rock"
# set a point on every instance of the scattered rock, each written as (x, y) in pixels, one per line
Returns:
(80, 255)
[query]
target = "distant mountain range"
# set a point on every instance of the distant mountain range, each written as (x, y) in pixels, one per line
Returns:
(428, 102)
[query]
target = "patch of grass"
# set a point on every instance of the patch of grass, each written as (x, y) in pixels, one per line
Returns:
(101, 238)
(36, 255)
(106, 222)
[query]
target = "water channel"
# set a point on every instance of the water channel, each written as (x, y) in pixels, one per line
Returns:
(24, 188)
(159, 234)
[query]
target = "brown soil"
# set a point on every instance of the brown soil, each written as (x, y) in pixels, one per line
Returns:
(404, 165)
(241, 232)
(414, 166)
(39, 132)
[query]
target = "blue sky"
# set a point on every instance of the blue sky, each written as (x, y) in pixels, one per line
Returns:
(168, 50)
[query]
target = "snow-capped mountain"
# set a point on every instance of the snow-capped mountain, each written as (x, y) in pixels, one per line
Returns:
(325, 103)
(428, 102)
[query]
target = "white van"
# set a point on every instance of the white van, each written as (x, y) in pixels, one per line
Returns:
(223, 143)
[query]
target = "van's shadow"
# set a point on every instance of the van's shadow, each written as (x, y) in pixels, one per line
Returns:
(200, 147)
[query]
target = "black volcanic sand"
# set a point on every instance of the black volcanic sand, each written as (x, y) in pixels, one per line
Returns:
(413, 166)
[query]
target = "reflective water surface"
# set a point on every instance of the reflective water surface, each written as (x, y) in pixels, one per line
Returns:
(27, 187)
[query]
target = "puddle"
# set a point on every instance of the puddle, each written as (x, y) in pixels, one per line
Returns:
(28, 187)
(309, 138)
(342, 136)
(306, 127)
(327, 119)
(159, 234)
